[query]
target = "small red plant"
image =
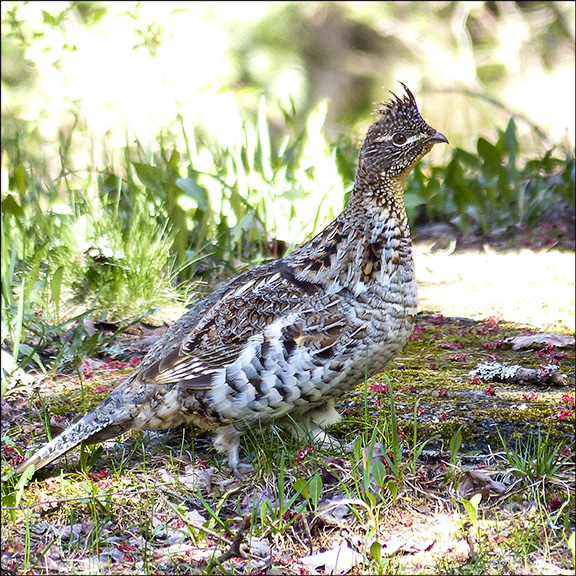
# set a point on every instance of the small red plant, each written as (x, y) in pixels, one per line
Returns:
(450, 345)
(547, 351)
(418, 330)
(490, 325)
(568, 398)
(380, 388)
(551, 354)
(554, 503)
(51, 485)
(406, 519)
(563, 415)
(493, 344)
(134, 362)
(101, 389)
(288, 515)
(100, 475)
(410, 389)
(115, 365)
(349, 411)
(301, 454)
(105, 484)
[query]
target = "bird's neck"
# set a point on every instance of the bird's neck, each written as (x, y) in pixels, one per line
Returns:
(377, 206)
(370, 239)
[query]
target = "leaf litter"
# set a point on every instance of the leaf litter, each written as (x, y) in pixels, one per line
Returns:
(197, 512)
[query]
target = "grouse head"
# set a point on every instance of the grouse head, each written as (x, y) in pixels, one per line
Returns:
(397, 141)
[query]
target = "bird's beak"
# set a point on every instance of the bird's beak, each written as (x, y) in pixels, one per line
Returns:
(438, 138)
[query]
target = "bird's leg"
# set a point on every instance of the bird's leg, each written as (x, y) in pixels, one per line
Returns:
(312, 423)
(228, 440)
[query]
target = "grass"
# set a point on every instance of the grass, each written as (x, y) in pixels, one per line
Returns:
(169, 517)
(165, 503)
(538, 459)
(89, 258)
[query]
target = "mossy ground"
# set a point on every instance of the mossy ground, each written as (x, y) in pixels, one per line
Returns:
(435, 368)
(129, 503)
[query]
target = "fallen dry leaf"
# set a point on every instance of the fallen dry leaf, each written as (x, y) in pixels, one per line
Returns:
(338, 560)
(184, 550)
(259, 548)
(559, 340)
(391, 546)
(196, 519)
(73, 532)
(110, 554)
(254, 499)
(195, 478)
(408, 546)
(334, 511)
(477, 481)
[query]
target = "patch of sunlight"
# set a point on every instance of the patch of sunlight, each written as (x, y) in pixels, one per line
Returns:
(531, 288)
(117, 84)
(548, 99)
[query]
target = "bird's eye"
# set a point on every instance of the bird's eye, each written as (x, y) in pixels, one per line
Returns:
(399, 138)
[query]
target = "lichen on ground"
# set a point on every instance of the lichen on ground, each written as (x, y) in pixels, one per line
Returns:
(434, 370)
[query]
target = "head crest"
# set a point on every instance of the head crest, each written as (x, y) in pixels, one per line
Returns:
(398, 104)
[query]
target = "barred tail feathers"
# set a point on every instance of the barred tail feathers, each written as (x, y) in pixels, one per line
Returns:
(110, 418)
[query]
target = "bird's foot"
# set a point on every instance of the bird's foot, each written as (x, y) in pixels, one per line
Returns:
(228, 440)
(242, 470)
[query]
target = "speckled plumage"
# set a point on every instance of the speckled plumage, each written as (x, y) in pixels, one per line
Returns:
(289, 337)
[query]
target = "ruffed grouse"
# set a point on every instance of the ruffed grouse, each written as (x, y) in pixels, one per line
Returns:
(281, 342)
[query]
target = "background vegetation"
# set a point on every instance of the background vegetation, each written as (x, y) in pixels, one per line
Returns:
(151, 150)
(148, 146)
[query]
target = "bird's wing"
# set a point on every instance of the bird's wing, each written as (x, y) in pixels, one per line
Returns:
(241, 311)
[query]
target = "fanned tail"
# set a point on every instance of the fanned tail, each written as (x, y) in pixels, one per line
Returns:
(103, 423)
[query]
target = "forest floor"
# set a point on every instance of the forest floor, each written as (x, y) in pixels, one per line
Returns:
(165, 504)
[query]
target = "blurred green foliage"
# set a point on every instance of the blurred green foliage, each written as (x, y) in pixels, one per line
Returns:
(347, 51)
(493, 189)
(96, 232)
